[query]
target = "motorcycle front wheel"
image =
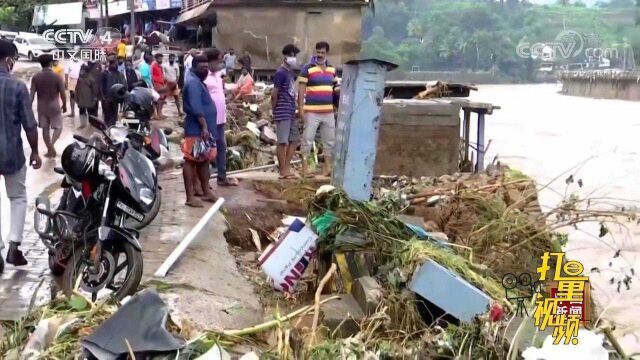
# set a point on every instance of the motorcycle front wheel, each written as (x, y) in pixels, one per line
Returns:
(132, 223)
(118, 274)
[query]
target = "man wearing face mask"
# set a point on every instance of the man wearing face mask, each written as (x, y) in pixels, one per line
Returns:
(109, 78)
(283, 106)
(315, 106)
(215, 86)
(15, 115)
(200, 126)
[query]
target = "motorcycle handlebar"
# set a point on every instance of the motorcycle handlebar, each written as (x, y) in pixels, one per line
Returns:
(81, 138)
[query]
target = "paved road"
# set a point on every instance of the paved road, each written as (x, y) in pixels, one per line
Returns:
(545, 134)
(17, 285)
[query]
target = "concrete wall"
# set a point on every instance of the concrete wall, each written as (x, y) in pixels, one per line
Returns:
(418, 138)
(301, 25)
(624, 88)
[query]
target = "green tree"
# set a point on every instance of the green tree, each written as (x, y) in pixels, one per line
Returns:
(8, 16)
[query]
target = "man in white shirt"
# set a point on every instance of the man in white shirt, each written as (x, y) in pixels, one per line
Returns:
(71, 75)
(171, 72)
(188, 60)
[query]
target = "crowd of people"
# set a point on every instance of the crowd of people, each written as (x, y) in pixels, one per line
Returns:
(298, 102)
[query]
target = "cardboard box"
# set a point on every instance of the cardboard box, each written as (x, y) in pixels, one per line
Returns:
(286, 260)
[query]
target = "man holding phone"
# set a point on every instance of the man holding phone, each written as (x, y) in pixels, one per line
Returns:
(15, 114)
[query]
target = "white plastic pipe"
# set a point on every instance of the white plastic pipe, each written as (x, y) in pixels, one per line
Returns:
(168, 263)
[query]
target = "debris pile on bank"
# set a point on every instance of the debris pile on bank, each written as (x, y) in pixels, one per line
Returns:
(416, 273)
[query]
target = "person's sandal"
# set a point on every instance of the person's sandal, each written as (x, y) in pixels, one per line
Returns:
(228, 182)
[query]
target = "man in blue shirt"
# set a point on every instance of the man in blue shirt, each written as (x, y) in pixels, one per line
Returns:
(15, 114)
(198, 145)
(283, 102)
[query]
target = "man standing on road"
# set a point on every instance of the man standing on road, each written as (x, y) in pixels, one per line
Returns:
(87, 95)
(49, 88)
(16, 113)
(245, 62)
(215, 86)
(315, 106)
(157, 77)
(230, 64)
(110, 77)
(171, 76)
(200, 125)
(71, 75)
(283, 103)
(145, 70)
(130, 74)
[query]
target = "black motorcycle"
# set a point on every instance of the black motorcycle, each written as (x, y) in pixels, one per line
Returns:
(89, 244)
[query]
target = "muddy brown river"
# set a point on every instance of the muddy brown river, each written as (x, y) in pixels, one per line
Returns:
(551, 136)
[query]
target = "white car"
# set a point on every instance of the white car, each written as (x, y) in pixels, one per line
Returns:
(33, 46)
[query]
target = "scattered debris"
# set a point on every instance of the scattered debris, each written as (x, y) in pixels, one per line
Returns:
(285, 261)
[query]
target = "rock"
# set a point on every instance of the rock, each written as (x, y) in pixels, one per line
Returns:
(342, 315)
(368, 293)
(262, 123)
(268, 135)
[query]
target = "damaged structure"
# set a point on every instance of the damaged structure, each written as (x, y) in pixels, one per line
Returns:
(248, 25)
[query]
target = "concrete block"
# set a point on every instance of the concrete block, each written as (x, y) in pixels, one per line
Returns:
(368, 293)
(343, 314)
(449, 292)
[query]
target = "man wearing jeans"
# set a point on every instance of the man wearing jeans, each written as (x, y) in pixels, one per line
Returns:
(15, 113)
(215, 86)
(315, 106)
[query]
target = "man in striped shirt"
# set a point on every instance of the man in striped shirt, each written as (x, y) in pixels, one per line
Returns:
(315, 106)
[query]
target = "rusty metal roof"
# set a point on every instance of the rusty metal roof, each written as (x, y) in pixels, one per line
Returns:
(191, 4)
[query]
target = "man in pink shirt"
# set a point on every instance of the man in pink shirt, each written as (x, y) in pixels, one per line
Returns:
(215, 86)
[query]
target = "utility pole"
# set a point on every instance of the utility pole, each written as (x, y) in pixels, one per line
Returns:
(106, 13)
(101, 14)
(132, 25)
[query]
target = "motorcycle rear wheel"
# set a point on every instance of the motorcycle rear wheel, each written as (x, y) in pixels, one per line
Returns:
(77, 266)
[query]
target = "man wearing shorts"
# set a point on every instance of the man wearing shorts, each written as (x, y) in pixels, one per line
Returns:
(49, 88)
(283, 102)
(171, 75)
